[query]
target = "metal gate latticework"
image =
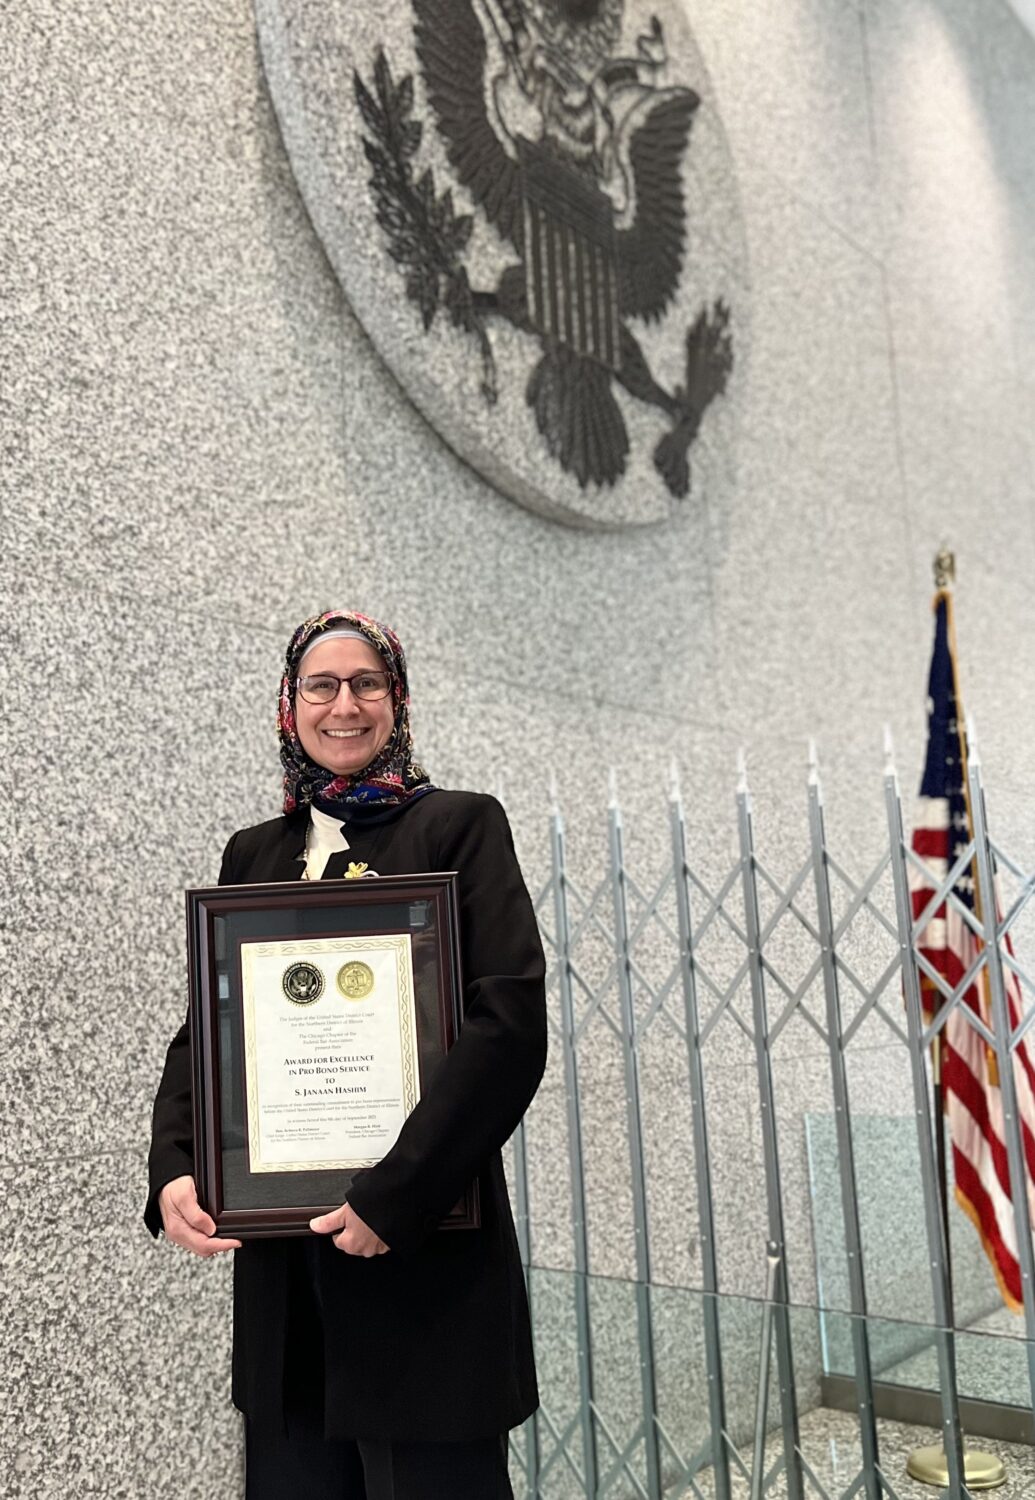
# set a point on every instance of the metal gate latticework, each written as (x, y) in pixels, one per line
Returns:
(630, 959)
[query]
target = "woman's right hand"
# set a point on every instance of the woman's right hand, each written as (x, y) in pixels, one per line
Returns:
(186, 1223)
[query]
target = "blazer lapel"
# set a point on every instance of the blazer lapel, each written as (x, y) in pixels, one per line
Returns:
(284, 859)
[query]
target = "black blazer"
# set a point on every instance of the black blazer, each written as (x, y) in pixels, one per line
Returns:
(430, 1342)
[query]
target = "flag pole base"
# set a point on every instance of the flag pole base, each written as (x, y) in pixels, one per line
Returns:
(981, 1471)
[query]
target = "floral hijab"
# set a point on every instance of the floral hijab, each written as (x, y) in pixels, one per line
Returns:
(393, 776)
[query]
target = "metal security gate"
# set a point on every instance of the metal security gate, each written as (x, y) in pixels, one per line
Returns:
(633, 959)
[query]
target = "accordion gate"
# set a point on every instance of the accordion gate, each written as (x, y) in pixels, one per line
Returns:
(577, 1444)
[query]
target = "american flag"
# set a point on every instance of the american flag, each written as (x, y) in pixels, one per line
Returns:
(970, 1092)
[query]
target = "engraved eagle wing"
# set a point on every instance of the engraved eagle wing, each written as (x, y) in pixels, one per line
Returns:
(650, 251)
(451, 48)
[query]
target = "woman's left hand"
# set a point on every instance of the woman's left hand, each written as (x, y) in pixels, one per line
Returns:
(355, 1237)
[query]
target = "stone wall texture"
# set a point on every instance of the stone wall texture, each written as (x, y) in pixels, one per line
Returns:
(201, 447)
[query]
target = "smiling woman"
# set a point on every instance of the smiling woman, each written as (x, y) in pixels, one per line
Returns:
(343, 706)
(378, 1359)
(344, 716)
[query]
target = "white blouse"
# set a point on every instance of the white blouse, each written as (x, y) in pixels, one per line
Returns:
(325, 836)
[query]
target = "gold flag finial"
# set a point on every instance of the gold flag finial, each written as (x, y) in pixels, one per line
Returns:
(944, 568)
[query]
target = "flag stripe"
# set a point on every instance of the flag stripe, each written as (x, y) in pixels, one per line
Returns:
(974, 1201)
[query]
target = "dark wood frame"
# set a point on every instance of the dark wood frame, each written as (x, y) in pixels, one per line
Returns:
(209, 902)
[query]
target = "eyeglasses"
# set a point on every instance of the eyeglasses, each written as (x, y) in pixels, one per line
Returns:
(324, 687)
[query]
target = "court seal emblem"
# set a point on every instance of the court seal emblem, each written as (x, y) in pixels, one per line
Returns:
(542, 235)
(302, 983)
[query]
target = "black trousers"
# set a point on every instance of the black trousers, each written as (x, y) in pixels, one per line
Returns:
(291, 1468)
(300, 1463)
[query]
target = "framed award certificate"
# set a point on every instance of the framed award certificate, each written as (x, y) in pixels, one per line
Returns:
(319, 1014)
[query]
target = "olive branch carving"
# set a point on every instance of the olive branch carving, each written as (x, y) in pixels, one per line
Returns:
(426, 236)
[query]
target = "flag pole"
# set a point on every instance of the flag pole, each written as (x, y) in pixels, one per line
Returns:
(929, 1465)
(961, 719)
(944, 581)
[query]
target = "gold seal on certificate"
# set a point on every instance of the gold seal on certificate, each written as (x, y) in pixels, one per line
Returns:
(327, 1086)
(355, 980)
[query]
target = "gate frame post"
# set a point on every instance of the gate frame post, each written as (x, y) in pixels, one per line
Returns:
(577, 1179)
(845, 1148)
(702, 1158)
(945, 1339)
(644, 1328)
(770, 1145)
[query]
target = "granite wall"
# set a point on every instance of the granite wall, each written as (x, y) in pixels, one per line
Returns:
(201, 447)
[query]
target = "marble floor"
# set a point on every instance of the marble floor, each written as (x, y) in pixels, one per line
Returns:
(832, 1452)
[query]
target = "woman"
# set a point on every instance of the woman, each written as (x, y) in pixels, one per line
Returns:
(379, 1359)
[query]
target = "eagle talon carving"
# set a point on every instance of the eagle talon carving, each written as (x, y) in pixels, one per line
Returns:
(574, 155)
(709, 359)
